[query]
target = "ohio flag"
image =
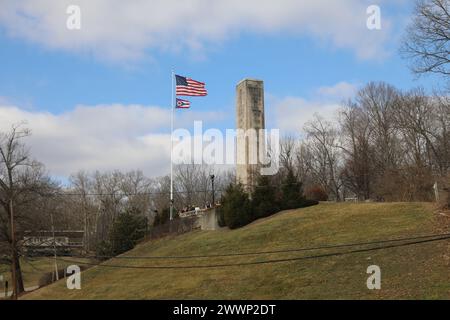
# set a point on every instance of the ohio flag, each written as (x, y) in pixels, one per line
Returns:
(183, 104)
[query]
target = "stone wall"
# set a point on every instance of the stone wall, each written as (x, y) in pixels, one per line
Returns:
(208, 220)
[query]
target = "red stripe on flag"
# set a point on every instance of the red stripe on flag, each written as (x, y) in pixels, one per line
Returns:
(190, 94)
(181, 92)
(193, 88)
(195, 82)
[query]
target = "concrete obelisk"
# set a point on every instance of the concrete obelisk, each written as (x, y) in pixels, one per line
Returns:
(249, 118)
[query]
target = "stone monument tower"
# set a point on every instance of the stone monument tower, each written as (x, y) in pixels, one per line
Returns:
(249, 115)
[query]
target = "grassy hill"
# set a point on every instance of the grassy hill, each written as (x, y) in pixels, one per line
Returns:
(416, 271)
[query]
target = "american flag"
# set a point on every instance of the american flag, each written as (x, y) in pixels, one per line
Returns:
(183, 104)
(189, 87)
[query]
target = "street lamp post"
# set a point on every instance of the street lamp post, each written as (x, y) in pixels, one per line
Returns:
(213, 192)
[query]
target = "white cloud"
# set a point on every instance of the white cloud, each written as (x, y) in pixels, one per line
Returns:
(125, 30)
(340, 91)
(290, 114)
(102, 137)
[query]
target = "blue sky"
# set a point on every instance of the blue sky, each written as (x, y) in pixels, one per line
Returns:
(85, 80)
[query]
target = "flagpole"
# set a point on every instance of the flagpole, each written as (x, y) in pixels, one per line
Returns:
(171, 146)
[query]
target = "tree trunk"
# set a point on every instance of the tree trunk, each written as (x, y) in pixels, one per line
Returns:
(19, 278)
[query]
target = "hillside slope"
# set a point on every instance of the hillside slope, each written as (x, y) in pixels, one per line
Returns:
(415, 271)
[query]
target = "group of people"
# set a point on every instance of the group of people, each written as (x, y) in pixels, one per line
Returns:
(208, 205)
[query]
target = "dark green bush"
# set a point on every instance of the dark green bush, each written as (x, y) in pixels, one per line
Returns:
(236, 207)
(309, 203)
(126, 231)
(291, 192)
(264, 199)
(267, 198)
(103, 250)
(129, 227)
(220, 217)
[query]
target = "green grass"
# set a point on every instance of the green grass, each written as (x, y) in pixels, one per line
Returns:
(412, 272)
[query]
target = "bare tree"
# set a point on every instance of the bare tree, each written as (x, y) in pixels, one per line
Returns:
(355, 134)
(442, 122)
(427, 40)
(136, 188)
(288, 146)
(324, 145)
(378, 101)
(160, 189)
(425, 122)
(304, 163)
(187, 178)
(193, 184)
(15, 180)
(109, 199)
(82, 185)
